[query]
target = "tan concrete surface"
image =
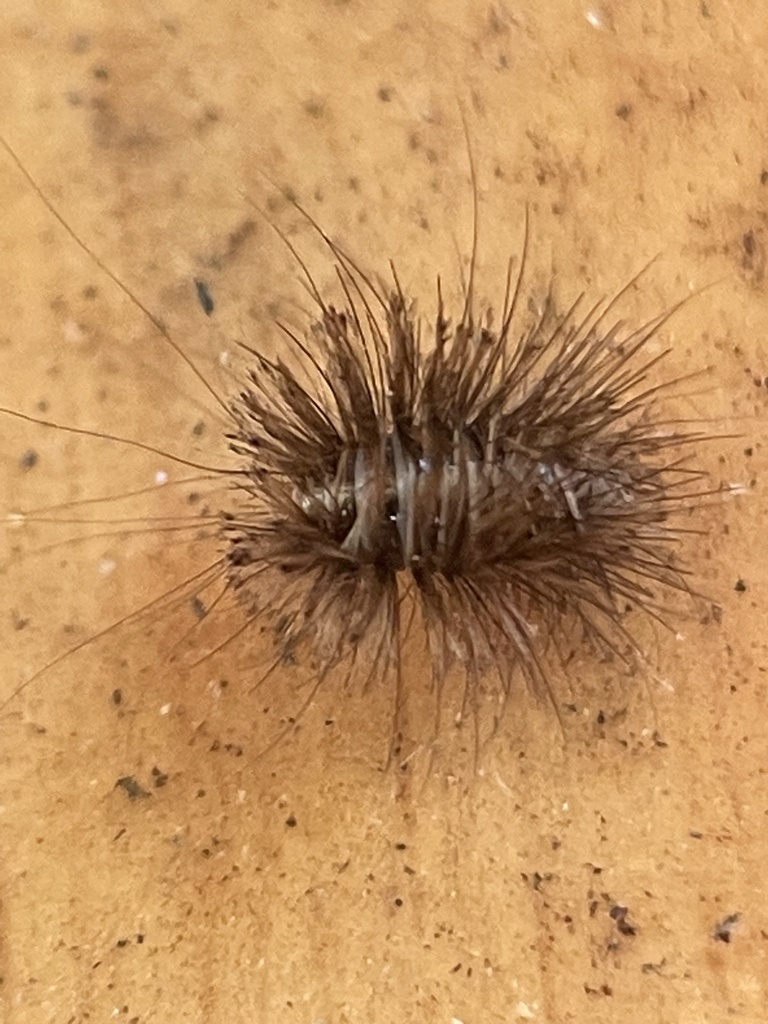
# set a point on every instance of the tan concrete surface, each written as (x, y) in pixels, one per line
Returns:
(301, 881)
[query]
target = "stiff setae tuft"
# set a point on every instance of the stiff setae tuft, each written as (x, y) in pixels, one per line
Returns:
(495, 485)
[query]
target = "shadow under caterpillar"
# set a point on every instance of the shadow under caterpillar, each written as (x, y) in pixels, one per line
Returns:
(480, 484)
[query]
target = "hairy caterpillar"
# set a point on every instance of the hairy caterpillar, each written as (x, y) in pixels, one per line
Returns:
(498, 483)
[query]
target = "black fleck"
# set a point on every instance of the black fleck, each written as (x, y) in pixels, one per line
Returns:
(724, 929)
(620, 915)
(29, 459)
(131, 787)
(206, 301)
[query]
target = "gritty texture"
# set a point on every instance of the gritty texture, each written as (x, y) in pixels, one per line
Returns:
(160, 861)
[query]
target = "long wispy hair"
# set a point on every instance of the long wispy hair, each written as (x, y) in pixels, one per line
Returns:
(479, 484)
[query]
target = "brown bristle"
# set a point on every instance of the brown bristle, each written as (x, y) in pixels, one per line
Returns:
(508, 484)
